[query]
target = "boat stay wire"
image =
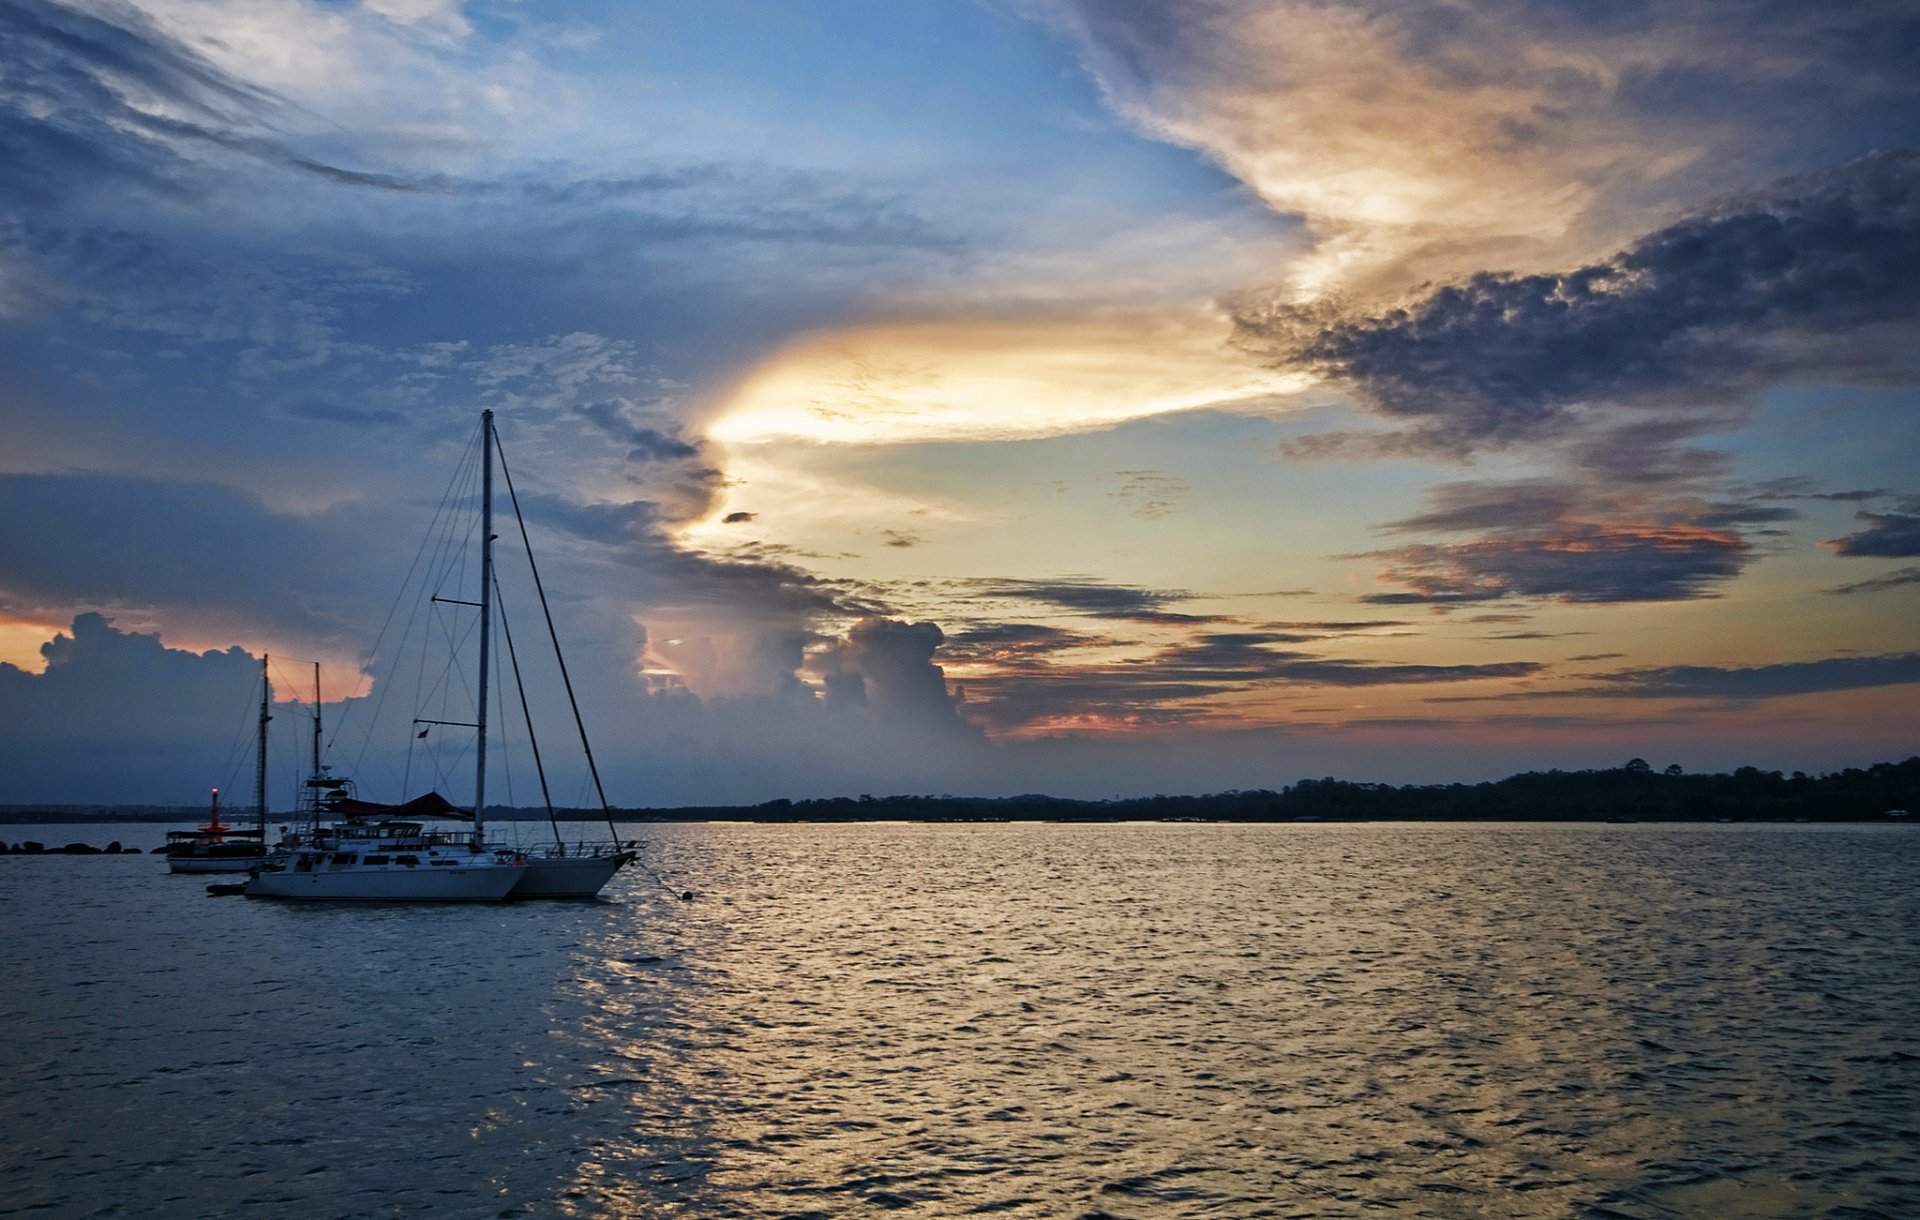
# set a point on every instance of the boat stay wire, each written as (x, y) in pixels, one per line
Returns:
(586, 747)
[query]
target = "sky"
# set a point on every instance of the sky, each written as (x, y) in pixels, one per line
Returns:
(967, 396)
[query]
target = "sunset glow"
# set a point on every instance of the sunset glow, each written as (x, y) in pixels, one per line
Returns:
(977, 397)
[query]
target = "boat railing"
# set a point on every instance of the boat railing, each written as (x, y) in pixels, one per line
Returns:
(590, 847)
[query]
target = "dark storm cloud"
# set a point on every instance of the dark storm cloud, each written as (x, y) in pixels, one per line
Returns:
(1762, 681)
(1092, 597)
(644, 443)
(1168, 684)
(737, 518)
(116, 713)
(1793, 280)
(609, 524)
(1899, 578)
(98, 538)
(1894, 535)
(1572, 540)
(1577, 564)
(887, 666)
(1013, 644)
(1521, 504)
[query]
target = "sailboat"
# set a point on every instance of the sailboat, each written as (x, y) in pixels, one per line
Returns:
(353, 850)
(218, 848)
(391, 841)
(554, 870)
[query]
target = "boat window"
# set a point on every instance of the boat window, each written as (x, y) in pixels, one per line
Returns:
(444, 863)
(375, 860)
(409, 861)
(345, 857)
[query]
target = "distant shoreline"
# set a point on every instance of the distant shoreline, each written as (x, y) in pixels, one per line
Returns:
(1635, 792)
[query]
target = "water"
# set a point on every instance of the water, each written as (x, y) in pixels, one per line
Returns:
(999, 1020)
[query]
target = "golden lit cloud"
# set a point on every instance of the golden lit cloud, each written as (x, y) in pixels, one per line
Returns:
(993, 379)
(1425, 144)
(20, 641)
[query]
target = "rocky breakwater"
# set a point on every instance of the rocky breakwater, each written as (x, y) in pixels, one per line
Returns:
(31, 848)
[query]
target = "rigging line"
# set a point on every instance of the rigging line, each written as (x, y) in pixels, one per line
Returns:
(435, 533)
(552, 634)
(230, 768)
(526, 713)
(506, 763)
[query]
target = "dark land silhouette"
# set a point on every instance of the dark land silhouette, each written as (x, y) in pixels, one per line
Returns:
(1633, 792)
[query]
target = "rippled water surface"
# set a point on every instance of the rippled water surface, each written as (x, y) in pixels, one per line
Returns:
(1044, 1020)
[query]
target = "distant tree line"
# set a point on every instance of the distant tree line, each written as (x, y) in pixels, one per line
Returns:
(1634, 791)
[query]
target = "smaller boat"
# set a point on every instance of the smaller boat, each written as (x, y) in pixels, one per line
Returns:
(214, 847)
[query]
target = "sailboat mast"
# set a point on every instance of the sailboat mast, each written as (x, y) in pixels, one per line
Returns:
(260, 765)
(486, 620)
(314, 783)
(316, 719)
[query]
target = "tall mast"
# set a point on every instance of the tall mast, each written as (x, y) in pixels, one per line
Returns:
(486, 620)
(260, 766)
(316, 720)
(313, 785)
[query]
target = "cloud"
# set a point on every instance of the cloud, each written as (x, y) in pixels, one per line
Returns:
(1095, 598)
(92, 539)
(118, 716)
(1017, 371)
(1893, 535)
(1761, 681)
(1425, 140)
(1897, 579)
(1574, 540)
(94, 100)
(1580, 565)
(1804, 278)
(1040, 688)
(886, 666)
(1148, 494)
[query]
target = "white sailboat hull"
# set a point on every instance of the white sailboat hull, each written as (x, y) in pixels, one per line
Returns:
(474, 879)
(466, 885)
(568, 876)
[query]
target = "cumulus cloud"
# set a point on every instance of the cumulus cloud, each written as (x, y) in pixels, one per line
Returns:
(1800, 279)
(886, 666)
(120, 717)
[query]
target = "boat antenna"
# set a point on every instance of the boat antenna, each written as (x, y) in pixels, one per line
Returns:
(486, 619)
(554, 635)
